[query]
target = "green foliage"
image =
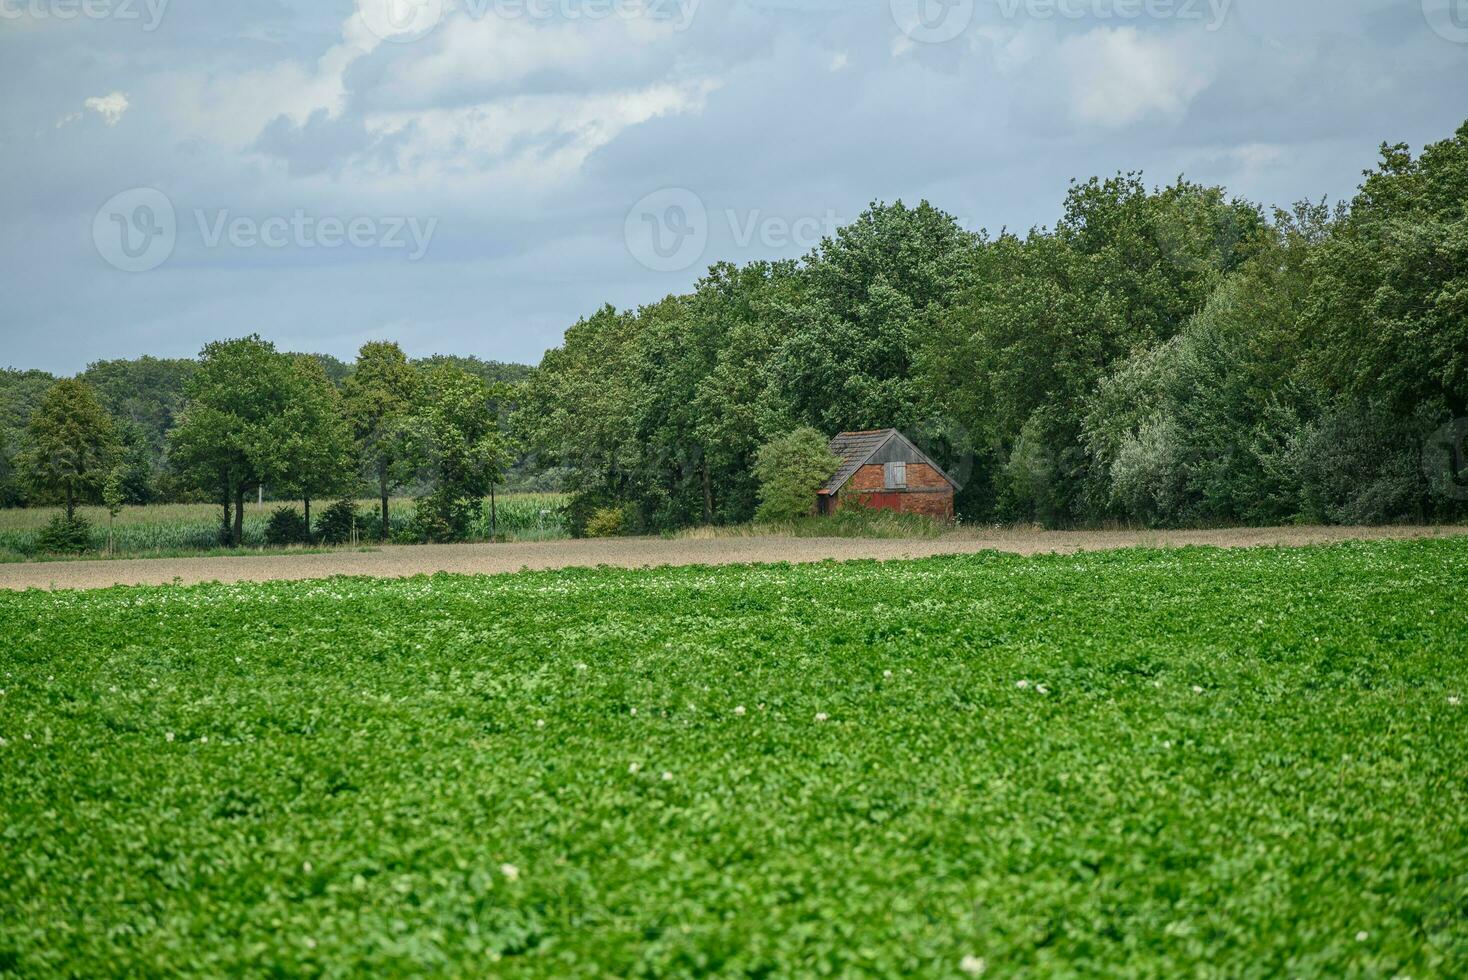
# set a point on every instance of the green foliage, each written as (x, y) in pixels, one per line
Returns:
(69, 447)
(335, 523)
(319, 457)
(286, 526)
(379, 399)
(65, 535)
(607, 522)
(1218, 763)
(790, 469)
(453, 444)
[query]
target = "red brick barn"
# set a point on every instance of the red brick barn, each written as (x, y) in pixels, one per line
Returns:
(883, 470)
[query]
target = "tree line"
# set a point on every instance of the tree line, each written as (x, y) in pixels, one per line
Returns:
(245, 416)
(1166, 355)
(1162, 355)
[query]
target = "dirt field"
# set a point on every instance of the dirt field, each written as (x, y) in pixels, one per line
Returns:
(479, 559)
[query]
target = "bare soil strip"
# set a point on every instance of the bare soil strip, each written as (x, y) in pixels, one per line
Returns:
(485, 559)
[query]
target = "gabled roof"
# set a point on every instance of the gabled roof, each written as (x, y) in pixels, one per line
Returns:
(855, 449)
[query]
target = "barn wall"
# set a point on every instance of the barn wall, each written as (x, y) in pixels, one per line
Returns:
(927, 493)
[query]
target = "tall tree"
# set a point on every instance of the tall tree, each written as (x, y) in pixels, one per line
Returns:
(380, 398)
(320, 457)
(456, 449)
(70, 444)
(233, 434)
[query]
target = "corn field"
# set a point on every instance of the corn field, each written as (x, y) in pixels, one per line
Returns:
(181, 528)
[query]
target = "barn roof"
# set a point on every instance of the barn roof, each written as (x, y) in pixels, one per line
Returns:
(854, 449)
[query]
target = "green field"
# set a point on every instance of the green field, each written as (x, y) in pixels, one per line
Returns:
(173, 529)
(1145, 763)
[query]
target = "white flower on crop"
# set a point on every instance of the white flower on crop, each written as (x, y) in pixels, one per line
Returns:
(1021, 684)
(204, 738)
(635, 768)
(1362, 936)
(580, 666)
(168, 737)
(973, 965)
(306, 866)
(1452, 700)
(739, 710)
(112, 690)
(822, 716)
(540, 723)
(1042, 689)
(667, 777)
(510, 872)
(634, 711)
(1197, 689)
(886, 673)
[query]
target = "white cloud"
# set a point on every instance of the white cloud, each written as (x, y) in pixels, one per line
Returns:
(110, 107)
(1119, 77)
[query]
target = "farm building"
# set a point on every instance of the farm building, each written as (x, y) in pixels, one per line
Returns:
(881, 469)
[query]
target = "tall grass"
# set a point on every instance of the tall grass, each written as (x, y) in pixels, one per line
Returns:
(183, 528)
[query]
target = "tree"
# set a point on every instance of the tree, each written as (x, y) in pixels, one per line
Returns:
(380, 398)
(455, 447)
(319, 456)
(112, 499)
(1390, 300)
(145, 396)
(70, 443)
(234, 432)
(790, 469)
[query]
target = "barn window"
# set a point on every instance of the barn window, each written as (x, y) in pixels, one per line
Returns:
(896, 476)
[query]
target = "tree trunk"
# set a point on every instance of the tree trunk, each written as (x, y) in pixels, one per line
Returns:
(382, 488)
(307, 502)
(708, 495)
(238, 537)
(224, 533)
(493, 515)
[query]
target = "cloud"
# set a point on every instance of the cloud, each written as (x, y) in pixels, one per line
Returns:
(110, 107)
(1119, 77)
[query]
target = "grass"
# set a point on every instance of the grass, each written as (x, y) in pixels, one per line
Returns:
(173, 530)
(848, 523)
(1181, 763)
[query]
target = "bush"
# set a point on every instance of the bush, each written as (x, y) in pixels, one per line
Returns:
(336, 523)
(286, 526)
(65, 537)
(607, 522)
(790, 469)
(441, 519)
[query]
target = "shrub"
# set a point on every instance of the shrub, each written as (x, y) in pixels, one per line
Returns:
(286, 526)
(607, 522)
(63, 536)
(790, 469)
(440, 518)
(336, 523)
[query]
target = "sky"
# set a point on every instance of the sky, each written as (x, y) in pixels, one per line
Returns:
(473, 176)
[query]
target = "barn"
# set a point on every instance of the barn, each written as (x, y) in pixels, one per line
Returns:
(882, 469)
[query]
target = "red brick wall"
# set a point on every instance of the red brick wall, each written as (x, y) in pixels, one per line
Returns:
(927, 492)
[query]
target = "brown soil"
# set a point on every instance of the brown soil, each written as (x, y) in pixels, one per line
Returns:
(482, 559)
